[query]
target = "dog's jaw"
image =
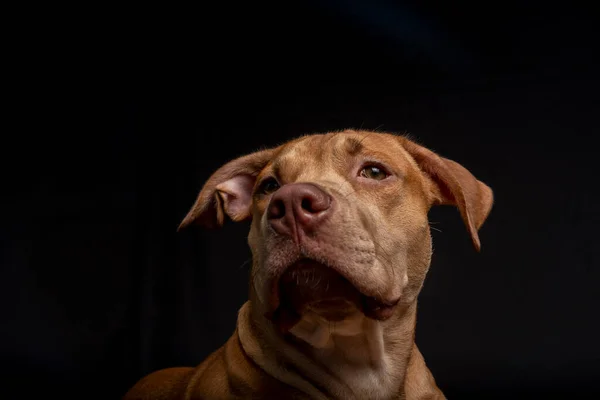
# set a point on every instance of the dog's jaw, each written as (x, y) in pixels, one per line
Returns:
(343, 247)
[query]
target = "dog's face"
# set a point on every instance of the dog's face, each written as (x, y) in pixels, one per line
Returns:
(339, 221)
(351, 204)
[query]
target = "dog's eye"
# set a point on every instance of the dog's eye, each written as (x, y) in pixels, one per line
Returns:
(268, 186)
(373, 172)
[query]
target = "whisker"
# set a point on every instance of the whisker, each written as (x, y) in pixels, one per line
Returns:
(433, 227)
(248, 261)
(364, 137)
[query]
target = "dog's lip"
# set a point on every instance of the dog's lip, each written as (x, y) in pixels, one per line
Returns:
(372, 306)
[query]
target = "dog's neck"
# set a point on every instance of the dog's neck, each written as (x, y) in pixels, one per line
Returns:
(355, 358)
(355, 340)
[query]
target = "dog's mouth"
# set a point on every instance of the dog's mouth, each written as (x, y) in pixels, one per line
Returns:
(311, 286)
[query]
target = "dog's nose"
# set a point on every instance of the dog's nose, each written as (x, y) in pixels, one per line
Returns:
(298, 207)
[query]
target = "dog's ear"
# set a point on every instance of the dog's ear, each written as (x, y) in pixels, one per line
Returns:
(454, 185)
(228, 191)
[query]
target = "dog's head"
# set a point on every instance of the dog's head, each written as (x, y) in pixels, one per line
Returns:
(339, 221)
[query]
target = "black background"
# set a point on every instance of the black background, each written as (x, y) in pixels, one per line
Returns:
(116, 116)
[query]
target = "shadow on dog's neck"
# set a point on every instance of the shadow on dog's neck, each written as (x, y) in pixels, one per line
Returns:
(359, 358)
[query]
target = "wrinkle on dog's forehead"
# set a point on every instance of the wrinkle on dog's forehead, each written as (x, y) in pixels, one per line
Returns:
(307, 156)
(319, 155)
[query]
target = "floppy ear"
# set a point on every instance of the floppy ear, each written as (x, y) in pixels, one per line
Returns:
(228, 191)
(454, 185)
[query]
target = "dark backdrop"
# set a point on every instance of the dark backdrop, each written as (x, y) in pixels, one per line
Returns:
(117, 116)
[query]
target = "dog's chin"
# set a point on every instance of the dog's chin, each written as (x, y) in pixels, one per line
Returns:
(310, 286)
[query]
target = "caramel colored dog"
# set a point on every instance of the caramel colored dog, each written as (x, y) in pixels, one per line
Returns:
(341, 245)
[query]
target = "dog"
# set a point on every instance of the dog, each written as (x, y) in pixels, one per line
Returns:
(341, 245)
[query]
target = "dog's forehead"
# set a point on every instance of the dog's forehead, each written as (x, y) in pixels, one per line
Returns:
(331, 149)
